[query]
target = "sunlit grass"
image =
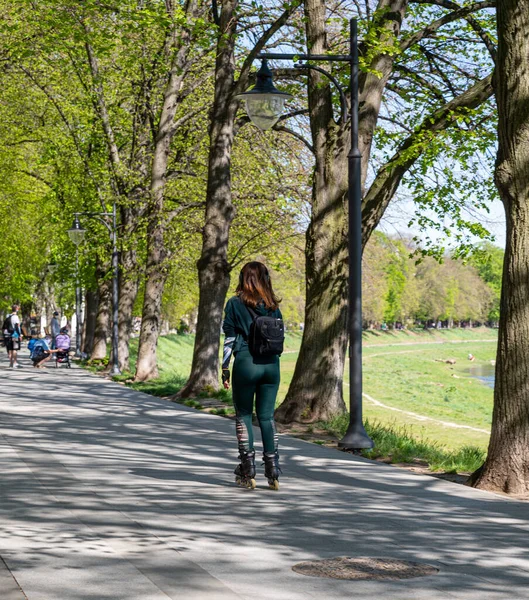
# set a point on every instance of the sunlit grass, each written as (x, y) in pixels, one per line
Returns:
(399, 445)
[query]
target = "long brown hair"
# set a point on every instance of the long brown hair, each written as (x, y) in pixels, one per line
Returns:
(255, 286)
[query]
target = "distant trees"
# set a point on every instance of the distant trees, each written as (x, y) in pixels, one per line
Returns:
(398, 289)
(488, 261)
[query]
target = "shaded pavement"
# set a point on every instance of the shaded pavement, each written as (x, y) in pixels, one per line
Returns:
(107, 493)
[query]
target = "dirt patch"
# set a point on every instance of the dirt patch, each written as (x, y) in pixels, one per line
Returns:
(309, 433)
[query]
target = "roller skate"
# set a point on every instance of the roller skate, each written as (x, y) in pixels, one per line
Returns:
(245, 471)
(272, 470)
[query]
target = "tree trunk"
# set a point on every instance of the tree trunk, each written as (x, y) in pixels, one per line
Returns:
(156, 275)
(213, 267)
(316, 388)
(156, 269)
(91, 303)
(102, 325)
(128, 290)
(507, 466)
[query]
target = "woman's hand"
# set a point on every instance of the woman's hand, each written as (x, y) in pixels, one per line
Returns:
(226, 378)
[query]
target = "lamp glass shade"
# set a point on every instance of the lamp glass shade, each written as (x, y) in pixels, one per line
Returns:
(265, 109)
(76, 233)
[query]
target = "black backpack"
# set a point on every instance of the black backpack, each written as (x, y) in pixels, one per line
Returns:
(8, 325)
(267, 335)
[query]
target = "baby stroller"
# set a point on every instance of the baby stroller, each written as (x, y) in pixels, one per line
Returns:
(62, 342)
(63, 358)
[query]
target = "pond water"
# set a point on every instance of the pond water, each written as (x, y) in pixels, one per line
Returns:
(484, 373)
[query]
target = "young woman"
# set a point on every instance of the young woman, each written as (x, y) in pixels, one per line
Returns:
(252, 377)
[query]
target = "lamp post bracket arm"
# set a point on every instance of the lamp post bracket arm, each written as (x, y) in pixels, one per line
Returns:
(95, 214)
(343, 100)
(319, 57)
(99, 217)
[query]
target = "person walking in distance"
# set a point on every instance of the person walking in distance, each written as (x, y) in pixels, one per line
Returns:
(254, 334)
(12, 336)
(55, 328)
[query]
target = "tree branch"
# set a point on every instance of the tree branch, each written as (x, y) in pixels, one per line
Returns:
(100, 103)
(422, 80)
(459, 12)
(295, 134)
(390, 175)
(35, 176)
(174, 213)
(241, 83)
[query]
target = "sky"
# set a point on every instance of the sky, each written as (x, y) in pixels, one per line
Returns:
(399, 213)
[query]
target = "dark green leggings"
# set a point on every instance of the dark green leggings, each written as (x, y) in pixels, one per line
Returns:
(259, 379)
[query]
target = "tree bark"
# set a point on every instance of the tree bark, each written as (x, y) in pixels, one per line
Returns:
(213, 267)
(102, 325)
(316, 389)
(91, 303)
(507, 466)
(156, 268)
(128, 290)
(156, 275)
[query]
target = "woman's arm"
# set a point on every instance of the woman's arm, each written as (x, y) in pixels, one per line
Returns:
(228, 326)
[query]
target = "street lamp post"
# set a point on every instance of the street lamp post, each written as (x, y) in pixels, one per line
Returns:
(115, 274)
(76, 234)
(356, 436)
(115, 294)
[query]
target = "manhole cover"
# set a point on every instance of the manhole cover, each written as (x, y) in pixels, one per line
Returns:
(343, 567)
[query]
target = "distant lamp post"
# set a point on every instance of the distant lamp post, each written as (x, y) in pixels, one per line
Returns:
(264, 104)
(77, 234)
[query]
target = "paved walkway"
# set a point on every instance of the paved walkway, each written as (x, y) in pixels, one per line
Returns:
(109, 494)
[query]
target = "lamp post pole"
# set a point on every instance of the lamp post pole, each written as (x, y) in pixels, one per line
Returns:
(115, 295)
(356, 436)
(78, 325)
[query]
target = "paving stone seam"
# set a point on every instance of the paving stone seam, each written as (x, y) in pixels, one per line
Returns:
(4, 567)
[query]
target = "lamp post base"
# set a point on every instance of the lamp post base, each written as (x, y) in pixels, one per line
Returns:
(356, 438)
(115, 371)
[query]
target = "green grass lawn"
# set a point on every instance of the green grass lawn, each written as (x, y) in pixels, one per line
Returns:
(416, 379)
(402, 370)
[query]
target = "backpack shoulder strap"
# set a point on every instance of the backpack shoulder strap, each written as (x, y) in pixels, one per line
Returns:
(252, 312)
